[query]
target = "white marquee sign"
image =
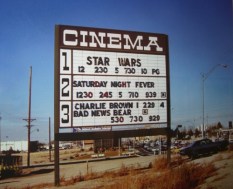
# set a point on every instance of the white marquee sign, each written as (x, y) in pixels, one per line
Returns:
(110, 77)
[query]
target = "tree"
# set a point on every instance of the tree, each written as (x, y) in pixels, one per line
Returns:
(219, 125)
(213, 129)
(197, 133)
(190, 132)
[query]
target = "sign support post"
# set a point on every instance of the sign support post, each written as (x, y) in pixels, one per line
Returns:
(168, 108)
(56, 112)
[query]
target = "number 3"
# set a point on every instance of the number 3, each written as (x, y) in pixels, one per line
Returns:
(65, 110)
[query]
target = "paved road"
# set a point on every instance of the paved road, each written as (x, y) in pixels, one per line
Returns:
(46, 174)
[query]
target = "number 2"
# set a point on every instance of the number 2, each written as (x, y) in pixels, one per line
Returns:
(64, 91)
(65, 87)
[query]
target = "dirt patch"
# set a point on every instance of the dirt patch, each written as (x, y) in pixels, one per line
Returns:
(223, 177)
(37, 172)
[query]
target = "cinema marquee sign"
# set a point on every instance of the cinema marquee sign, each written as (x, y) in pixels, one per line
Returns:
(109, 77)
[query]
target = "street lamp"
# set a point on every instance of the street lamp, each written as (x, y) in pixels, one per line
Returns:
(204, 78)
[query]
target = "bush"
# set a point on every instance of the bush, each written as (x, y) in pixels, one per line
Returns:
(186, 176)
(230, 148)
(160, 163)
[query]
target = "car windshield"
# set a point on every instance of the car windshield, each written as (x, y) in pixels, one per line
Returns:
(193, 144)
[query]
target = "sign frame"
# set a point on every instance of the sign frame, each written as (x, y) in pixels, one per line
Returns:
(119, 41)
(74, 41)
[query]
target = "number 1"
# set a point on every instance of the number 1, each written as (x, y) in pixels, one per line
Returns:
(65, 61)
(65, 67)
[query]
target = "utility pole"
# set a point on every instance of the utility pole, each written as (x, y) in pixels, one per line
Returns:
(29, 120)
(0, 134)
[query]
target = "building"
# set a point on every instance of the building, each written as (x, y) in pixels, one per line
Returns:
(14, 145)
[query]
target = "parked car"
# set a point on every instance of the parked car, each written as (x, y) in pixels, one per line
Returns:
(203, 146)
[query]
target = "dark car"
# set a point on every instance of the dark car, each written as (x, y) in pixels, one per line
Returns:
(202, 147)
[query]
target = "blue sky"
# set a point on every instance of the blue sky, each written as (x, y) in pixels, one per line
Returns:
(200, 36)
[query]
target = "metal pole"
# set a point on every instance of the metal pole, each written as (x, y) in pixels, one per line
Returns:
(203, 106)
(204, 77)
(119, 146)
(56, 163)
(49, 141)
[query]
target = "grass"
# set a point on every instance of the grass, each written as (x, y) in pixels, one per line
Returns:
(230, 147)
(182, 174)
(186, 176)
